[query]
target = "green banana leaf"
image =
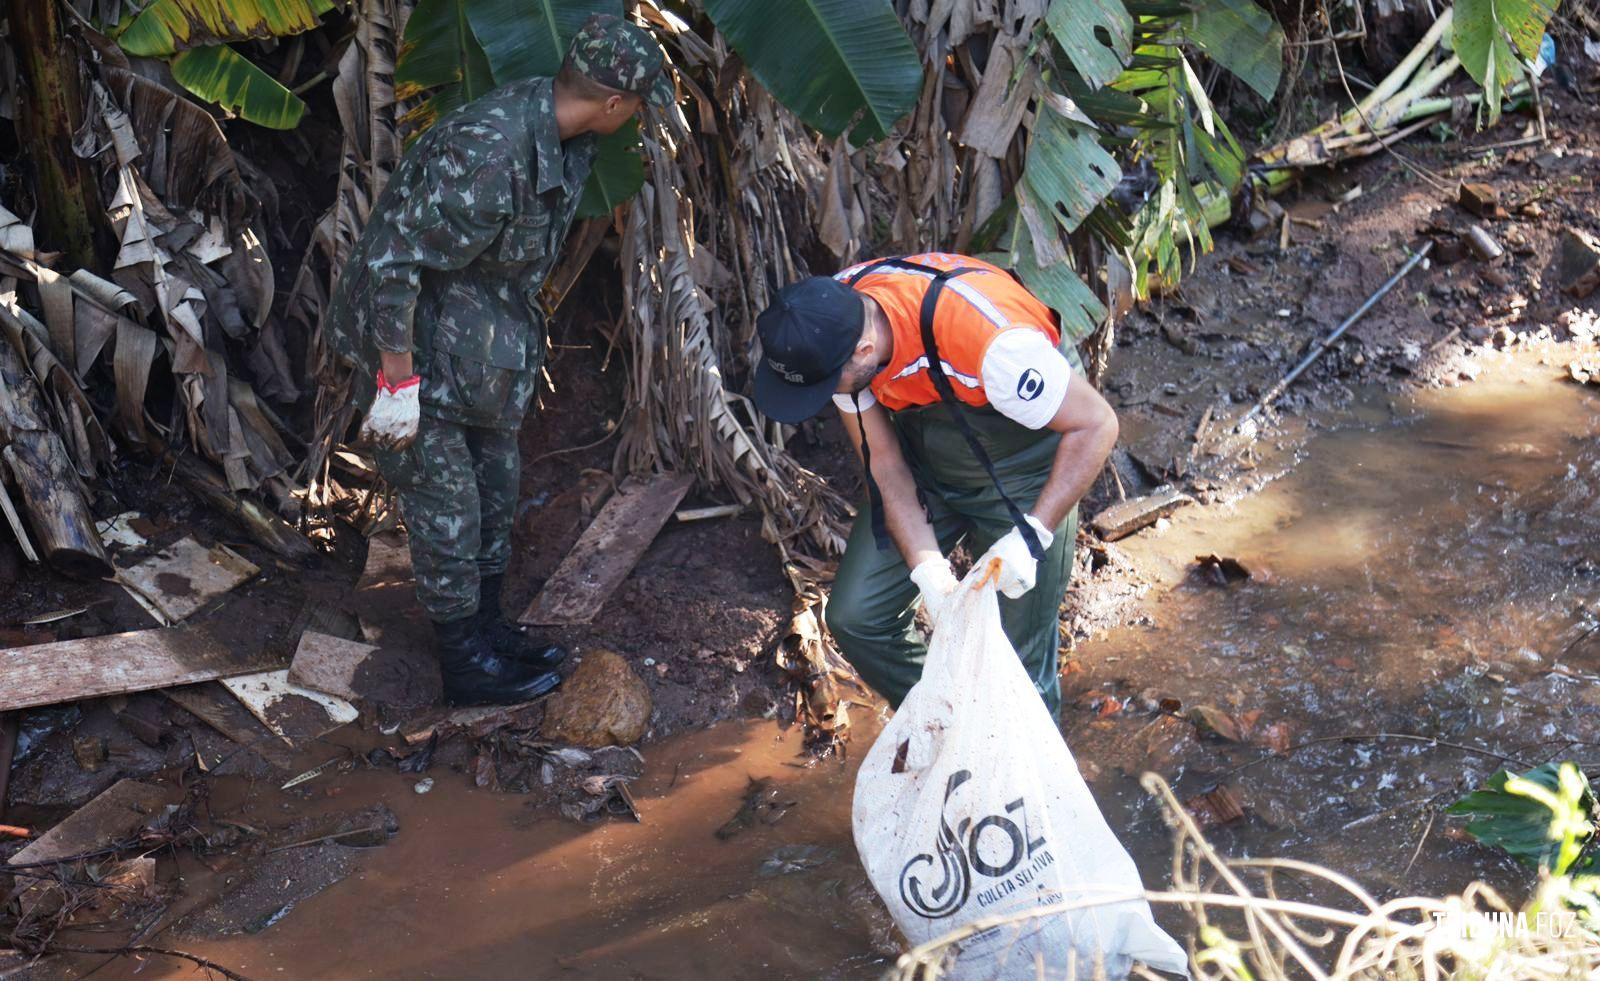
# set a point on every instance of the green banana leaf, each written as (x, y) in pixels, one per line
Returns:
(1077, 26)
(1479, 35)
(525, 39)
(618, 173)
(1241, 37)
(1068, 172)
(222, 75)
(166, 27)
(831, 62)
(441, 52)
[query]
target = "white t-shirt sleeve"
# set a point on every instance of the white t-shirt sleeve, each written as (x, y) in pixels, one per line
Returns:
(1025, 376)
(846, 405)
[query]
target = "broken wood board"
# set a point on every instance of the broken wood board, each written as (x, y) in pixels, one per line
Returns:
(477, 721)
(1123, 519)
(119, 811)
(216, 707)
(183, 577)
(281, 705)
(115, 664)
(329, 664)
(608, 550)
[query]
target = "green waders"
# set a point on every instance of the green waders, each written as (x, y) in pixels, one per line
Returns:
(872, 609)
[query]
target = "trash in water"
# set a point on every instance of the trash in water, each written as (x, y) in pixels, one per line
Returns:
(790, 859)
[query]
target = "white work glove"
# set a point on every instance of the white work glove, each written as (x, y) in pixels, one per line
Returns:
(1018, 568)
(937, 581)
(391, 423)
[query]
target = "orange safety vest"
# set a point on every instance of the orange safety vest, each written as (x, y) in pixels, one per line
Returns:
(975, 309)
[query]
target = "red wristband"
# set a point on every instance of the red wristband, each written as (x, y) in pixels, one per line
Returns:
(383, 383)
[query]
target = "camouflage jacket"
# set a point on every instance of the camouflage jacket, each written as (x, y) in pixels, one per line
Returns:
(462, 238)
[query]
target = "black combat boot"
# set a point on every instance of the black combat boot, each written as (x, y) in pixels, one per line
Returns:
(474, 674)
(508, 638)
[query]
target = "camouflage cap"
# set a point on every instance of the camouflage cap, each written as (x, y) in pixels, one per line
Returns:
(622, 56)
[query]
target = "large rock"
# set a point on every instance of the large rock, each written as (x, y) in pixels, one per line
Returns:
(603, 704)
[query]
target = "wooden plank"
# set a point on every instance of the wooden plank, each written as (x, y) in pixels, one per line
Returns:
(183, 577)
(1123, 519)
(477, 721)
(217, 708)
(329, 664)
(608, 550)
(120, 810)
(282, 705)
(115, 664)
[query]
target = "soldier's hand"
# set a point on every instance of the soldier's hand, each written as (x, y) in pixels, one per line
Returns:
(1018, 568)
(391, 423)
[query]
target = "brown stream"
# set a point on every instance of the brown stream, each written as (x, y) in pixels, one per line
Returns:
(1430, 564)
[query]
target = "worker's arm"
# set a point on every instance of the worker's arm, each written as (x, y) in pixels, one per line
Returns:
(1031, 383)
(902, 510)
(1088, 428)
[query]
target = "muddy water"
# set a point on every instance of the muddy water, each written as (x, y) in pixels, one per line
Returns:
(478, 886)
(1426, 566)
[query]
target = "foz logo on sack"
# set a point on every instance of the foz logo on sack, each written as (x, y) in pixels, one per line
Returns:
(995, 847)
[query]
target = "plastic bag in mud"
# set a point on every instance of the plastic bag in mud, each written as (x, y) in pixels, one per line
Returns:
(970, 807)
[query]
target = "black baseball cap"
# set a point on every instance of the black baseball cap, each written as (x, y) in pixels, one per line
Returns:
(807, 335)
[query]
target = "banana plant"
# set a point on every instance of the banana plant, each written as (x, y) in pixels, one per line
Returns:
(1495, 39)
(838, 64)
(194, 35)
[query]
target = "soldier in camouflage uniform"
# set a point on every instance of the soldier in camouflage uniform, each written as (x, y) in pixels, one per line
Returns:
(438, 308)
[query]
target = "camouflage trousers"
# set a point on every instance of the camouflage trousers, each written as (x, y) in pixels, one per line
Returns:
(458, 483)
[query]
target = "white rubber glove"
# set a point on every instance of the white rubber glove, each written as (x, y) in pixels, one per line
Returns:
(937, 581)
(391, 423)
(1018, 568)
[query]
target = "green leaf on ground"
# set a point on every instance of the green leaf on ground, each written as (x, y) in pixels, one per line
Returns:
(1542, 817)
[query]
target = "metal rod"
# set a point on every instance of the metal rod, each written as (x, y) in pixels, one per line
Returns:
(1333, 338)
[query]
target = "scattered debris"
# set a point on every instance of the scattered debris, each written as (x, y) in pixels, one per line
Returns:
(763, 804)
(604, 703)
(1215, 807)
(476, 721)
(329, 664)
(125, 807)
(183, 577)
(608, 550)
(701, 514)
(115, 664)
(262, 694)
(1126, 517)
(1585, 369)
(1578, 263)
(1481, 199)
(1483, 244)
(312, 773)
(1212, 721)
(423, 786)
(1223, 570)
(789, 859)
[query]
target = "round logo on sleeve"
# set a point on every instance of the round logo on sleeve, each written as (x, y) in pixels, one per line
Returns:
(1030, 385)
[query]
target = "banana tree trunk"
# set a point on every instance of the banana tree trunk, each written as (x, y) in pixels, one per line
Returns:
(50, 109)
